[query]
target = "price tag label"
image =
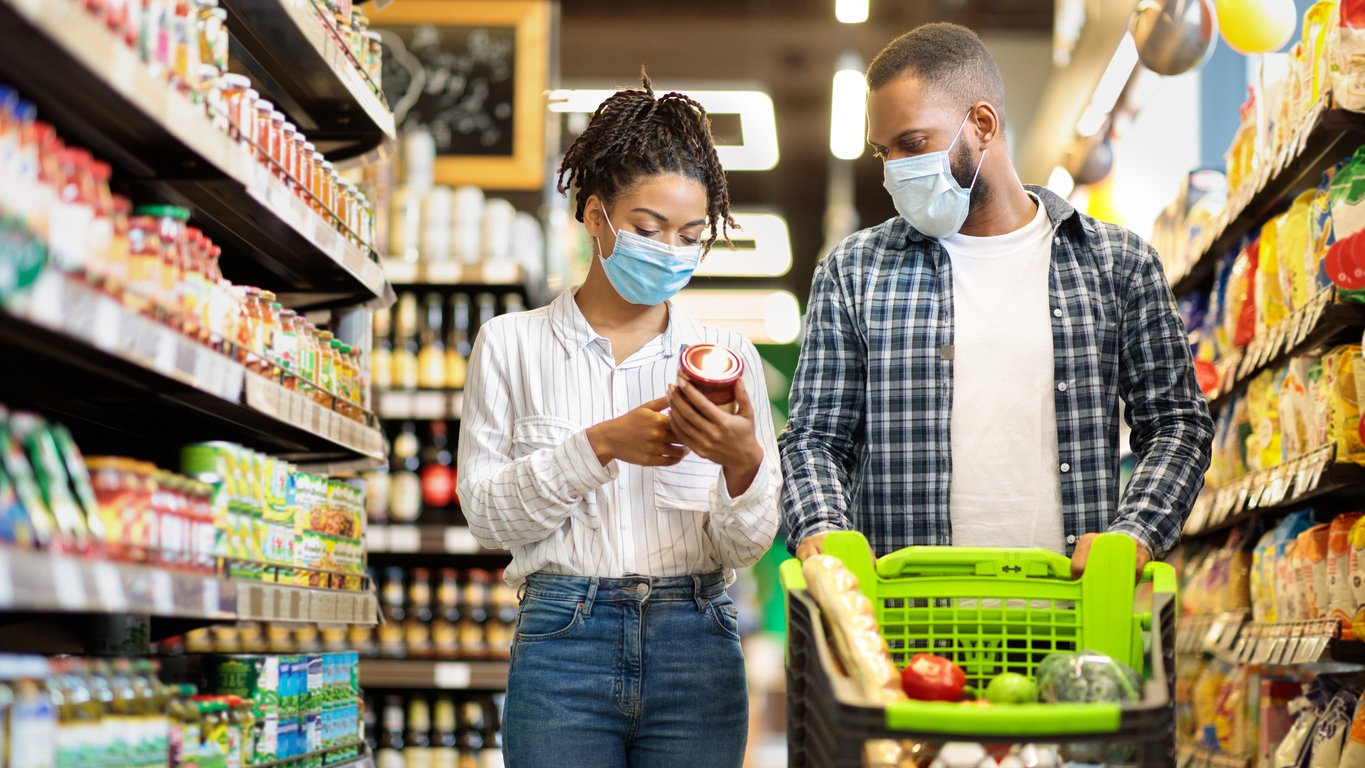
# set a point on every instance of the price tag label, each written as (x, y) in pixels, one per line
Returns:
(105, 333)
(212, 599)
(298, 605)
(444, 271)
(453, 675)
(404, 538)
(68, 584)
(429, 405)
(164, 359)
(109, 587)
(460, 541)
(377, 539)
(203, 368)
(163, 593)
(400, 271)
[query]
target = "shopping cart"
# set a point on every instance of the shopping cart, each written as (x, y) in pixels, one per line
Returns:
(990, 611)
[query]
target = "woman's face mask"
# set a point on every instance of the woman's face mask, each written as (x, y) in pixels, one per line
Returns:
(926, 193)
(645, 271)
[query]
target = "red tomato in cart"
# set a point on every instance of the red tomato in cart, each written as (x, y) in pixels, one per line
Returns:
(933, 678)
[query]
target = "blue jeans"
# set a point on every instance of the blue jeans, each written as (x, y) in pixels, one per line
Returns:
(635, 672)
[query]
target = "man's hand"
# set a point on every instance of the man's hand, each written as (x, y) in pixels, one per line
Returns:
(1081, 556)
(643, 436)
(813, 544)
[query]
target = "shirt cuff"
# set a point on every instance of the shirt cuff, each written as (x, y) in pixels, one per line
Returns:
(582, 470)
(1137, 533)
(756, 492)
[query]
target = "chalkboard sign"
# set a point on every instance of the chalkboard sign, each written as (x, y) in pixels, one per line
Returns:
(473, 74)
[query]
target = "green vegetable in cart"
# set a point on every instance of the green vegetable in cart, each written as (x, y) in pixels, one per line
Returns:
(1087, 677)
(933, 678)
(1011, 688)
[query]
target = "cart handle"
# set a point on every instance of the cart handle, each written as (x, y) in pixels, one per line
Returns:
(974, 561)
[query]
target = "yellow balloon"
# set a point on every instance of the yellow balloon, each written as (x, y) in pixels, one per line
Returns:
(1256, 26)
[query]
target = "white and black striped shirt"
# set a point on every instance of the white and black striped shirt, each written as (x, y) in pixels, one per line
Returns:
(530, 482)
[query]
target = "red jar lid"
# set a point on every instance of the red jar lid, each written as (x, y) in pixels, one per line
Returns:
(712, 364)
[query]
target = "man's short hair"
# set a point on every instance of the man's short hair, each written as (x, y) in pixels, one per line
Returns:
(947, 57)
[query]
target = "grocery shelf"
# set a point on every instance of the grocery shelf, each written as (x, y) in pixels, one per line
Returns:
(434, 404)
(1315, 476)
(41, 582)
(454, 275)
(1215, 634)
(424, 539)
(363, 761)
(1319, 324)
(1325, 137)
(1305, 647)
(165, 148)
(87, 356)
(439, 675)
(296, 54)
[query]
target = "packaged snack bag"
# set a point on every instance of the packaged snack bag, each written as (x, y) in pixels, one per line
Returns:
(1294, 250)
(1312, 555)
(1340, 389)
(1347, 51)
(1340, 597)
(1263, 578)
(1271, 304)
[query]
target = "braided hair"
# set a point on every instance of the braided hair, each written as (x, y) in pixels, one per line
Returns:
(633, 134)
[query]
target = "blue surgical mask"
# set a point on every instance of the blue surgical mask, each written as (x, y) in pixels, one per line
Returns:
(645, 271)
(927, 194)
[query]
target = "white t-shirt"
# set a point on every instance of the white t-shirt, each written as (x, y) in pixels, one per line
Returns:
(1005, 489)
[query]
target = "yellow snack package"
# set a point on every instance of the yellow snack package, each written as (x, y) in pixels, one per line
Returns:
(1294, 249)
(1343, 396)
(1270, 298)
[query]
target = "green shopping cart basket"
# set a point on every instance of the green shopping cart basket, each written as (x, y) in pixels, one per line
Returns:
(990, 611)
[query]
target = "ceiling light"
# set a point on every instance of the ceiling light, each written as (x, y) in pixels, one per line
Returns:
(850, 11)
(763, 248)
(848, 110)
(757, 150)
(1110, 87)
(762, 316)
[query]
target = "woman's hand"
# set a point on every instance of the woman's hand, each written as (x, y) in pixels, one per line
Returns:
(726, 438)
(642, 436)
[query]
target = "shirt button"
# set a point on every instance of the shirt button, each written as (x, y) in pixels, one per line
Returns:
(1070, 539)
(1061, 386)
(1065, 467)
(1057, 240)
(1057, 312)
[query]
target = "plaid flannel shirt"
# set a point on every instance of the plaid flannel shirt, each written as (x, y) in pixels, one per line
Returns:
(867, 445)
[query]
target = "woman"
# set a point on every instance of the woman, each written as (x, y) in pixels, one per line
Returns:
(626, 498)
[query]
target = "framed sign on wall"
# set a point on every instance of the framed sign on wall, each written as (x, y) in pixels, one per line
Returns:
(473, 74)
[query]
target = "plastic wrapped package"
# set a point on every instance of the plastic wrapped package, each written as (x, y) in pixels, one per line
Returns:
(857, 639)
(1321, 235)
(1271, 302)
(1263, 415)
(1274, 720)
(1312, 558)
(1287, 592)
(1294, 750)
(1204, 702)
(1353, 750)
(1239, 322)
(1262, 580)
(1294, 251)
(1296, 408)
(1347, 51)
(1232, 725)
(1087, 677)
(1340, 597)
(1347, 199)
(1340, 387)
(1329, 734)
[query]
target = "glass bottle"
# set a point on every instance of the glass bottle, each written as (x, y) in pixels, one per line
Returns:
(443, 733)
(438, 469)
(405, 369)
(405, 486)
(487, 305)
(418, 627)
(417, 741)
(392, 600)
(284, 347)
(445, 638)
(457, 343)
(431, 363)
(381, 358)
(390, 753)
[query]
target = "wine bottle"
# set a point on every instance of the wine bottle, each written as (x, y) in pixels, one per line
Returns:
(405, 486)
(431, 357)
(438, 468)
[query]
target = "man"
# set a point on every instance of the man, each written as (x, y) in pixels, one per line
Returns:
(964, 362)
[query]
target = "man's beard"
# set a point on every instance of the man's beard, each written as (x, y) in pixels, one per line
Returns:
(964, 166)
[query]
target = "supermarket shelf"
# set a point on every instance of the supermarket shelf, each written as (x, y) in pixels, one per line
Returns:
(439, 675)
(424, 539)
(1196, 756)
(88, 356)
(261, 601)
(1215, 635)
(1313, 476)
(447, 404)
(363, 761)
(40, 582)
(101, 97)
(310, 73)
(453, 275)
(1327, 136)
(1319, 324)
(1304, 647)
